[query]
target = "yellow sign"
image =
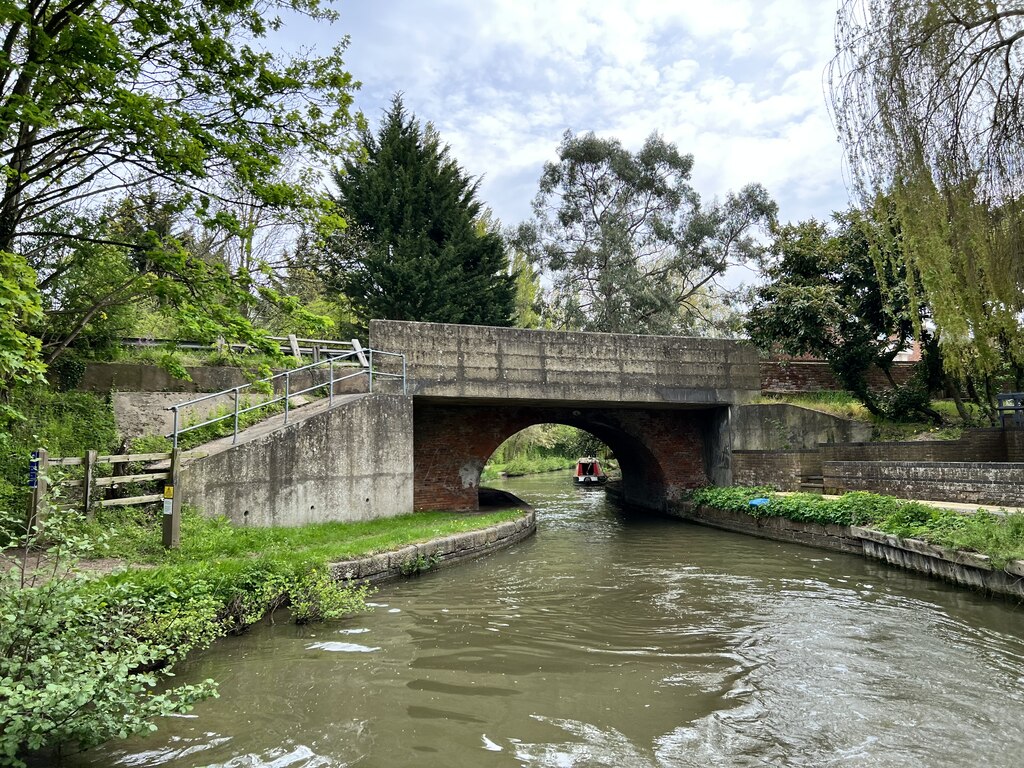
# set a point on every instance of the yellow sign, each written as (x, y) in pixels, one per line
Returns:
(168, 491)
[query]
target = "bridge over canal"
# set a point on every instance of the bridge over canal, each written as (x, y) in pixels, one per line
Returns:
(662, 404)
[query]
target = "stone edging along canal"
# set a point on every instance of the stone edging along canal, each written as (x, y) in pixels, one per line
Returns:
(436, 553)
(967, 569)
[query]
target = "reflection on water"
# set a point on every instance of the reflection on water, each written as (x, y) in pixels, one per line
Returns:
(615, 639)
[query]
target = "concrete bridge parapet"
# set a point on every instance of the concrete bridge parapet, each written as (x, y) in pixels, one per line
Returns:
(512, 364)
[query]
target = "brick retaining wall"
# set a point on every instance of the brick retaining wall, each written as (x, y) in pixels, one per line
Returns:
(781, 469)
(984, 445)
(967, 482)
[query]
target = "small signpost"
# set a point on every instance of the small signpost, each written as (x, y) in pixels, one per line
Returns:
(37, 483)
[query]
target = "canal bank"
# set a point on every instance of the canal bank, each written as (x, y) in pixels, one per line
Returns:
(434, 554)
(963, 568)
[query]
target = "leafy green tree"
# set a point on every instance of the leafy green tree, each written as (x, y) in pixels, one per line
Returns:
(624, 239)
(97, 98)
(529, 295)
(927, 99)
(413, 250)
(20, 360)
(824, 297)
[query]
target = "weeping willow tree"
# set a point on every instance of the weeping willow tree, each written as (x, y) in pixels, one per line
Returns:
(927, 98)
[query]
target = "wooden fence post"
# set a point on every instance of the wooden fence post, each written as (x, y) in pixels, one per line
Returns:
(293, 342)
(172, 506)
(37, 482)
(88, 466)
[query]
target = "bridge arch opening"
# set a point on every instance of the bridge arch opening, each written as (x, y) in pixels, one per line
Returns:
(544, 447)
(660, 452)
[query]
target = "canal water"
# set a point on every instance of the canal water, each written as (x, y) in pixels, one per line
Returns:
(617, 639)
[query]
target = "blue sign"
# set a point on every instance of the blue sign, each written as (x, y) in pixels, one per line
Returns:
(33, 470)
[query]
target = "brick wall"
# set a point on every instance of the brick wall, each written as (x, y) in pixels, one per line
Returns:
(1014, 445)
(968, 482)
(814, 376)
(782, 469)
(985, 445)
(661, 452)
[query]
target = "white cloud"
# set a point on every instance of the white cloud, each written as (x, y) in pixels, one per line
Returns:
(737, 83)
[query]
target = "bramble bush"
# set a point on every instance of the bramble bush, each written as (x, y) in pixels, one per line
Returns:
(80, 661)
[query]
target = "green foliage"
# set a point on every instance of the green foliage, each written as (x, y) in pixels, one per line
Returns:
(316, 596)
(64, 423)
(80, 662)
(624, 239)
(926, 100)
(20, 306)
(1001, 537)
(185, 106)
(825, 297)
(413, 250)
(542, 448)
(528, 297)
(171, 362)
(529, 465)
(414, 566)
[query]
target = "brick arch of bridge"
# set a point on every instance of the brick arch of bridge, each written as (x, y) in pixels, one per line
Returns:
(661, 452)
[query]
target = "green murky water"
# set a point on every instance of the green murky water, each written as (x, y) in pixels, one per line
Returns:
(612, 639)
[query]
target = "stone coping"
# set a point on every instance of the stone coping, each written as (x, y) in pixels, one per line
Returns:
(437, 553)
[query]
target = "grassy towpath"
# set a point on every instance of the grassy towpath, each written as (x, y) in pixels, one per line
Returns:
(133, 539)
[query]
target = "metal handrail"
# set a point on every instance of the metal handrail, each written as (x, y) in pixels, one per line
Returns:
(1010, 406)
(364, 358)
(314, 347)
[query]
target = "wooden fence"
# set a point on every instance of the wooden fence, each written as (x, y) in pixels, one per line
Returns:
(88, 486)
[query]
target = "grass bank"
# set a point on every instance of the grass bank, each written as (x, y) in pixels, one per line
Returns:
(846, 406)
(527, 465)
(1001, 537)
(133, 535)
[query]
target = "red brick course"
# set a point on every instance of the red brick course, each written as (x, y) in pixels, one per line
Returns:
(814, 376)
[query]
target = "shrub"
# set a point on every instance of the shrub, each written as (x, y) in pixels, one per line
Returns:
(80, 661)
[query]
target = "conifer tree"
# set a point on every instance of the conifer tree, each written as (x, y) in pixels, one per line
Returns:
(413, 249)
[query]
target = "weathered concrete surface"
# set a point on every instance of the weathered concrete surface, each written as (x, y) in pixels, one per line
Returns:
(436, 553)
(785, 427)
(970, 482)
(511, 364)
(964, 568)
(352, 462)
(145, 413)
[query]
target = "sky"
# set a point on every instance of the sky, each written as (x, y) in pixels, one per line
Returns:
(737, 83)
